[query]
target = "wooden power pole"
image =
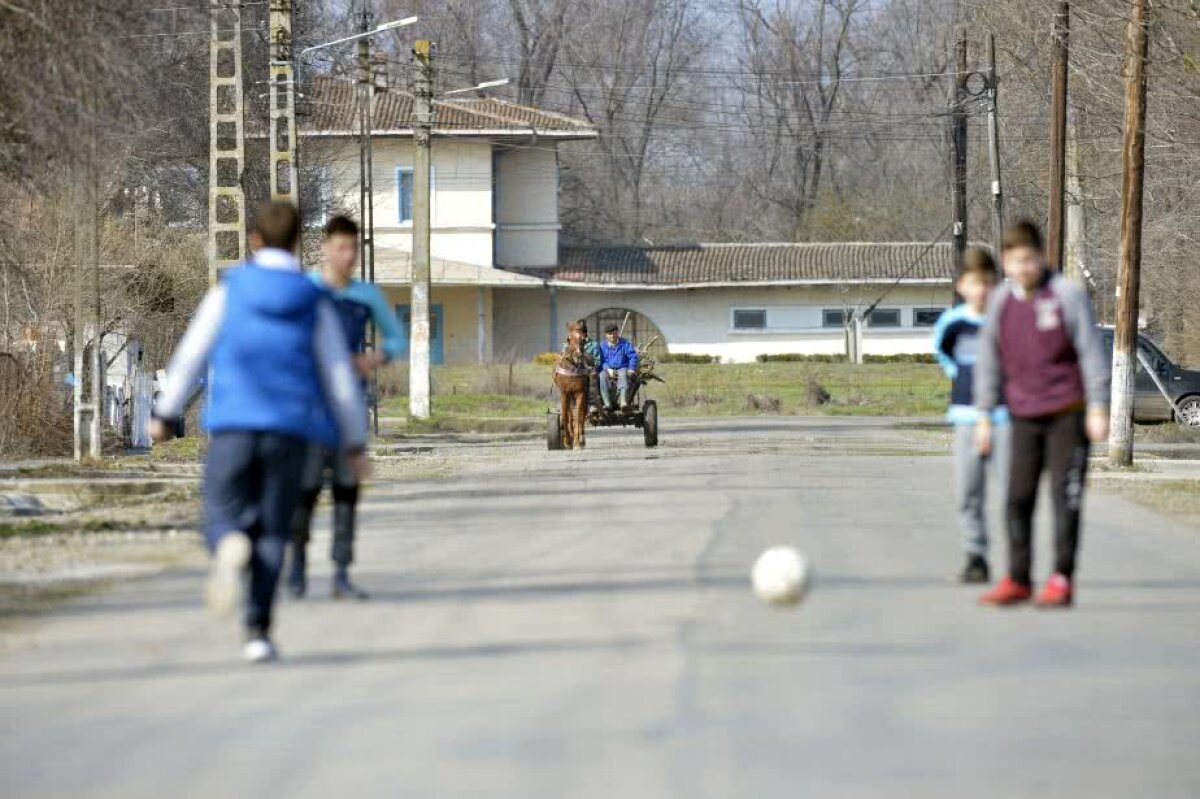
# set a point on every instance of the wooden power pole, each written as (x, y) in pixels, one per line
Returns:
(993, 90)
(1133, 158)
(284, 180)
(227, 144)
(418, 374)
(1058, 136)
(959, 146)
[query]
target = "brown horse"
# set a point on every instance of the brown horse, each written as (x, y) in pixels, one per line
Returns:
(572, 373)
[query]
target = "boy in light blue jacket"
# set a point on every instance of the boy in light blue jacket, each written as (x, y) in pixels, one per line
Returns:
(955, 343)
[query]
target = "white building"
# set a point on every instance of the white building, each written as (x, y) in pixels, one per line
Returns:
(738, 301)
(504, 288)
(494, 199)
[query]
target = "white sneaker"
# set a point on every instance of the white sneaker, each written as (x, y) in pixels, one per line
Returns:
(259, 650)
(223, 592)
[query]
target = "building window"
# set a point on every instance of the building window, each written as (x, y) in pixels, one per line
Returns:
(833, 317)
(749, 319)
(404, 194)
(926, 317)
(884, 317)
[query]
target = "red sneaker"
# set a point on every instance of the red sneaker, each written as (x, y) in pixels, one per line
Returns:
(1007, 592)
(1056, 593)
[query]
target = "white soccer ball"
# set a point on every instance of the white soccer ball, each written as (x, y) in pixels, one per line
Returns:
(781, 576)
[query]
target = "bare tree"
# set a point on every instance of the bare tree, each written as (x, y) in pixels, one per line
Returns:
(628, 71)
(797, 55)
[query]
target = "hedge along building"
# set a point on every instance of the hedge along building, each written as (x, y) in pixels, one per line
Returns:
(494, 187)
(737, 301)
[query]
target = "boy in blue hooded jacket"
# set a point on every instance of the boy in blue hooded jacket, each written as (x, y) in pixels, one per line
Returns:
(280, 370)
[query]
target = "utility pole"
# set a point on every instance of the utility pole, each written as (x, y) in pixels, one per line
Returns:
(418, 375)
(86, 415)
(364, 93)
(227, 144)
(994, 146)
(1074, 260)
(284, 180)
(1133, 160)
(959, 146)
(1058, 136)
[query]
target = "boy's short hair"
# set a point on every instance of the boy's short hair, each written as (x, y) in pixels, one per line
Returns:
(612, 329)
(278, 223)
(978, 262)
(1021, 233)
(341, 226)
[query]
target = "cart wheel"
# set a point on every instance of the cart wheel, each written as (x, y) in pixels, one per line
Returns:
(554, 431)
(650, 422)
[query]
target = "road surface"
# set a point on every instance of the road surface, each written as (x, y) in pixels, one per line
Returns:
(580, 625)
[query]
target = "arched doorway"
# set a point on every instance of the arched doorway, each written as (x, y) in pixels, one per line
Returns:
(640, 330)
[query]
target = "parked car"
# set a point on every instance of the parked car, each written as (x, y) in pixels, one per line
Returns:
(1149, 405)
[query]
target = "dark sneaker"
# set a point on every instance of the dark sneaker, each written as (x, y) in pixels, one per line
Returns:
(297, 580)
(975, 571)
(344, 589)
(1007, 592)
(1056, 593)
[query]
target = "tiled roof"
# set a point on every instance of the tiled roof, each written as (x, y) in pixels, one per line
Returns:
(333, 113)
(726, 264)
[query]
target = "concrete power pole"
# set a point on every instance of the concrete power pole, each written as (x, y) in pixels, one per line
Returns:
(418, 375)
(87, 400)
(1058, 136)
(994, 145)
(227, 144)
(959, 145)
(284, 179)
(1133, 157)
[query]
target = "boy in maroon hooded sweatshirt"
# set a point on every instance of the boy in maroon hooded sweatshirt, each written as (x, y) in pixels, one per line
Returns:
(1041, 350)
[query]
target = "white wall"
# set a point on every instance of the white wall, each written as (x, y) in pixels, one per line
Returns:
(700, 320)
(527, 206)
(526, 180)
(461, 196)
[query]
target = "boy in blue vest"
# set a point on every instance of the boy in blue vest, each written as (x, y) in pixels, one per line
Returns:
(359, 305)
(279, 369)
(956, 345)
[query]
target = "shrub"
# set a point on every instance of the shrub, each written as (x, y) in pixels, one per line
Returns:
(692, 398)
(815, 393)
(687, 357)
(800, 357)
(904, 357)
(763, 403)
(545, 359)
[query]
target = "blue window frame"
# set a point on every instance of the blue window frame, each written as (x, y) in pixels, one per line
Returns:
(404, 193)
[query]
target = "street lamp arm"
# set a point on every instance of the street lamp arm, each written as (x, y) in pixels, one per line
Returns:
(387, 26)
(487, 84)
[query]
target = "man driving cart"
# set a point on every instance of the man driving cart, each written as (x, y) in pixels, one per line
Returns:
(618, 360)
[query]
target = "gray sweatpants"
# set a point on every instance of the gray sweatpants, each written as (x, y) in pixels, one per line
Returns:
(971, 476)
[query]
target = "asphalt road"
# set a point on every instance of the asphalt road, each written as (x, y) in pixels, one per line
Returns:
(580, 625)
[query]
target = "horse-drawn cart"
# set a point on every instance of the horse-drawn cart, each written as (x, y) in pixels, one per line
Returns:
(639, 413)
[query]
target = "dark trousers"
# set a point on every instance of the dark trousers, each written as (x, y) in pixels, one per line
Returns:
(1057, 444)
(252, 484)
(320, 461)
